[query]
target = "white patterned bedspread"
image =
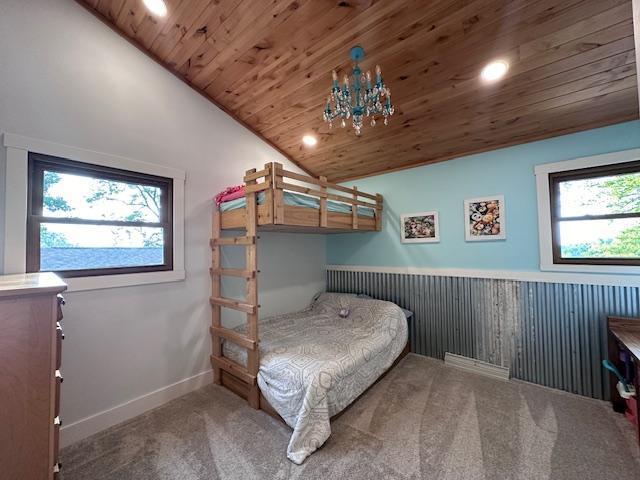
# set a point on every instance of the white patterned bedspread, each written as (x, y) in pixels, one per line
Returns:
(314, 363)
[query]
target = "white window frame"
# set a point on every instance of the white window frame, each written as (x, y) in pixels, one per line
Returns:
(16, 199)
(544, 211)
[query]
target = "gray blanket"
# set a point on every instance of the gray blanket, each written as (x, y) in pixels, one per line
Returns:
(314, 363)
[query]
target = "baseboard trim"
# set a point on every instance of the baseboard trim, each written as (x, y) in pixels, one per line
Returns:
(92, 424)
(476, 366)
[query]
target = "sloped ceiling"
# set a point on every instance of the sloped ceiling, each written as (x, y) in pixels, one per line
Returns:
(268, 63)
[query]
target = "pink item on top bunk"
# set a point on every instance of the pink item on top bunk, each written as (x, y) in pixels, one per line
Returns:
(229, 193)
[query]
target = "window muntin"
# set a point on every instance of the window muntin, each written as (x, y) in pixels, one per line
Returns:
(86, 220)
(595, 215)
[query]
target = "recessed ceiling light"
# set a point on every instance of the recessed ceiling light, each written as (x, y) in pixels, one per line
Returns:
(494, 71)
(157, 7)
(309, 140)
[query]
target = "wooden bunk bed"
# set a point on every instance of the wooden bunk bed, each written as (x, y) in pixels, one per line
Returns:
(274, 214)
(265, 208)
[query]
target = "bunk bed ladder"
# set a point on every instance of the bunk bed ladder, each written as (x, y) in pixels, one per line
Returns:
(250, 340)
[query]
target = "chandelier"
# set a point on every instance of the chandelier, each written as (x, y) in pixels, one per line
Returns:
(364, 99)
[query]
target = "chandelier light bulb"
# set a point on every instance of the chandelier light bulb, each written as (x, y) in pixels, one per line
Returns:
(494, 71)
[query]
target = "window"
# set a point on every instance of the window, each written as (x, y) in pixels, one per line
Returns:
(595, 215)
(87, 220)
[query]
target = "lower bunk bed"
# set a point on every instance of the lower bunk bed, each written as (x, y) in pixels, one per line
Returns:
(315, 363)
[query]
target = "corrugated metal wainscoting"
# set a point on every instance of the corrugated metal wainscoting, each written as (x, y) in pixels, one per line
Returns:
(553, 334)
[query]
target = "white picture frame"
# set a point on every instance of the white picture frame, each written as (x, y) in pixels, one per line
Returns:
(429, 233)
(477, 226)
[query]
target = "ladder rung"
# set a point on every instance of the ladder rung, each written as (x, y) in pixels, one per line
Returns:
(234, 369)
(233, 241)
(233, 272)
(235, 337)
(234, 304)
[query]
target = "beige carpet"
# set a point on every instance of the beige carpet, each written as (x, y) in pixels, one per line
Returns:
(423, 420)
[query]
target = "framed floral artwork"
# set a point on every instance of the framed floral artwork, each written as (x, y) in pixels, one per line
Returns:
(419, 227)
(484, 218)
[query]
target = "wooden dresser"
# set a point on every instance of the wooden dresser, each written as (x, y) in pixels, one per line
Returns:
(624, 335)
(30, 342)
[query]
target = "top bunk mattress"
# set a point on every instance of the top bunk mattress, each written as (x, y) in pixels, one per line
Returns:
(299, 200)
(314, 363)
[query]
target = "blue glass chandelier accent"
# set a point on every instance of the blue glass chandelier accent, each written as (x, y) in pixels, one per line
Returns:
(363, 99)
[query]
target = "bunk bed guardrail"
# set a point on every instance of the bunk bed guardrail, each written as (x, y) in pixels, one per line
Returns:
(274, 180)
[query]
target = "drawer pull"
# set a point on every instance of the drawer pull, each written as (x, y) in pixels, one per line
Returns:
(57, 421)
(59, 376)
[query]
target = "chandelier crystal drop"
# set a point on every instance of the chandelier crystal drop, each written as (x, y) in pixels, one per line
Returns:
(365, 98)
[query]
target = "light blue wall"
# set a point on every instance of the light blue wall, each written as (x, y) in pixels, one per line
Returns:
(444, 186)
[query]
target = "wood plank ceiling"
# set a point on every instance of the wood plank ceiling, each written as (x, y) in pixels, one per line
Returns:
(268, 63)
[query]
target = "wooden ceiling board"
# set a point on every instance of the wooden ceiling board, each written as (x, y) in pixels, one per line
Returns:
(276, 49)
(440, 77)
(508, 127)
(539, 80)
(268, 64)
(617, 106)
(301, 84)
(421, 152)
(179, 22)
(436, 121)
(486, 111)
(434, 116)
(300, 73)
(399, 60)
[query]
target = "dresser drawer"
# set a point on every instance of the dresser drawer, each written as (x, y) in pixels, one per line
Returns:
(57, 424)
(61, 302)
(59, 380)
(59, 338)
(56, 444)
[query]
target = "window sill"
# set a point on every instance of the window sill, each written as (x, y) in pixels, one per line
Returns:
(79, 284)
(618, 270)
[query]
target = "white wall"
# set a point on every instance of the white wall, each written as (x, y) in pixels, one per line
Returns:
(67, 78)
